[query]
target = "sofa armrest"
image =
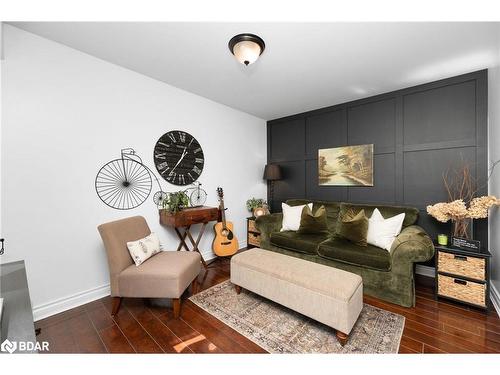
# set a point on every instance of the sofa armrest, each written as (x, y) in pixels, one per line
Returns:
(267, 224)
(412, 245)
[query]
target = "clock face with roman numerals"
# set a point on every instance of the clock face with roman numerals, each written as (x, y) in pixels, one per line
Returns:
(178, 157)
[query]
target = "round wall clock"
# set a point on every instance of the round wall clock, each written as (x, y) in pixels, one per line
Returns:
(178, 157)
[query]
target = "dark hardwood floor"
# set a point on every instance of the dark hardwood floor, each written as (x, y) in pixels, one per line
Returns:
(431, 326)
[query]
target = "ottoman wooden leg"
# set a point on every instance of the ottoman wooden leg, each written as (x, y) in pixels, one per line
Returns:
(238, 289)
(176, 303)
(342, 337)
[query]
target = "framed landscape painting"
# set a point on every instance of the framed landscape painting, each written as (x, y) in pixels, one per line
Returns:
(346, 166)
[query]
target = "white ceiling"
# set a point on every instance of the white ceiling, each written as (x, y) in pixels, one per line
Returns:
(305, 65)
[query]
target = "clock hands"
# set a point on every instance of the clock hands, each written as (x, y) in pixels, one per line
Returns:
(183, 154)
(182, 157)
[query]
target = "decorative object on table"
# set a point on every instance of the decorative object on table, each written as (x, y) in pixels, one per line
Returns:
(178, 157)
(257, 206)
(272, 172)
(463, 206)
(274, 327)
(225, 242)
(259, 211)
(176, 202)
(346, 166)
(159, 197)
(253, 234)
(185, 219)
(2, 250)
(254, 203)
(197, 195)
(442, 239)
(465, 244)
(125, 183)
(463, 276)
(246, 47)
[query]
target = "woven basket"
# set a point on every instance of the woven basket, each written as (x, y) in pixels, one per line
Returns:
(253, 239)
(474, 268)
(252, 227)
(467, 291)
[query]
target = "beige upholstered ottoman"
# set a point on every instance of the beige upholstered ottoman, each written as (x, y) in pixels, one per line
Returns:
(331, 296)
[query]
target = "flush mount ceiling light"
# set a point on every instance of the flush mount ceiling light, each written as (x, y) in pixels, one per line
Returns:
(246, 48)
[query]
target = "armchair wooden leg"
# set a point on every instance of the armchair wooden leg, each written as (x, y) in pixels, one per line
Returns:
(194, 286)
(238, 289)
(342, 337)
(176, 303)
(116, 305)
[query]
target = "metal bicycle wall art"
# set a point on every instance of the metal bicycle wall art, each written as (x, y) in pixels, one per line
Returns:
(126, 183)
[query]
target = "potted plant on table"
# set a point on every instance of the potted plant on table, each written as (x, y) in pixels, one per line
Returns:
(257, 206)
(175, 202)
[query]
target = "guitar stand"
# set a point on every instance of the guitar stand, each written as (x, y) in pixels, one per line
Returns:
(187, 233)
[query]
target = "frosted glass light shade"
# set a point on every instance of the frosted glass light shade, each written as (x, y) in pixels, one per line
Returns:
(246, 48)
(246, 52)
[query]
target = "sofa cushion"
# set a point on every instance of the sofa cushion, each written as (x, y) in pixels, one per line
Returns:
(353, 227)
(411, 213)
(313, 223)
(332, 210)
(302, 243)
(344, 251)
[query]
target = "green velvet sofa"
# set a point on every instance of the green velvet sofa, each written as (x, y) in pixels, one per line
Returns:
(386, 275)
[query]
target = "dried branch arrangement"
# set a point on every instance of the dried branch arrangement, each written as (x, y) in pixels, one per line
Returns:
(463, 206)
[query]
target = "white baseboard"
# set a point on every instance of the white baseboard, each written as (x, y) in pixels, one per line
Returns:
(495, 298)
(425, 270)
(62, 304)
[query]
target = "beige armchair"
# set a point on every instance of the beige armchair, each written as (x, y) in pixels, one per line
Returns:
(165, 275)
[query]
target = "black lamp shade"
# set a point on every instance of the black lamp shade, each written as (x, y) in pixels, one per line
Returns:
(272, 172)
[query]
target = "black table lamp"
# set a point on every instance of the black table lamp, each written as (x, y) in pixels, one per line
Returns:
(272, 172)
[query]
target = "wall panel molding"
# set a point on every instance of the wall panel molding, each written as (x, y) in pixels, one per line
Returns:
(426, 128)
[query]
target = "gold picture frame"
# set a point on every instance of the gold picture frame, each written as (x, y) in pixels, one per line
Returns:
(346, 166)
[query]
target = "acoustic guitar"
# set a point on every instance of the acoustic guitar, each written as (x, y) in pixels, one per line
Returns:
(225, 242)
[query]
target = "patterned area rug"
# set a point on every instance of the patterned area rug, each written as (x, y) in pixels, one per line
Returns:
(280, 330)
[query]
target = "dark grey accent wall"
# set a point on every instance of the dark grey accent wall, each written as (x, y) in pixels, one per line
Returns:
(417, 134)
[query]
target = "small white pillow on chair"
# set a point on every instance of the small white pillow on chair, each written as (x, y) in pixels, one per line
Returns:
(291, 216)
(144, 248)
(382, 232)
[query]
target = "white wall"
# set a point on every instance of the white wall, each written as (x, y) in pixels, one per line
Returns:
(494, 183)
(65, 114)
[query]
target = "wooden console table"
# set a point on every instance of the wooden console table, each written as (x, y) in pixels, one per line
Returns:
(187, 218)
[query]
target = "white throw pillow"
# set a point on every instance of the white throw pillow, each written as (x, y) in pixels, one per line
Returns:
(382, 232)
(291, 216)
(144, 248)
